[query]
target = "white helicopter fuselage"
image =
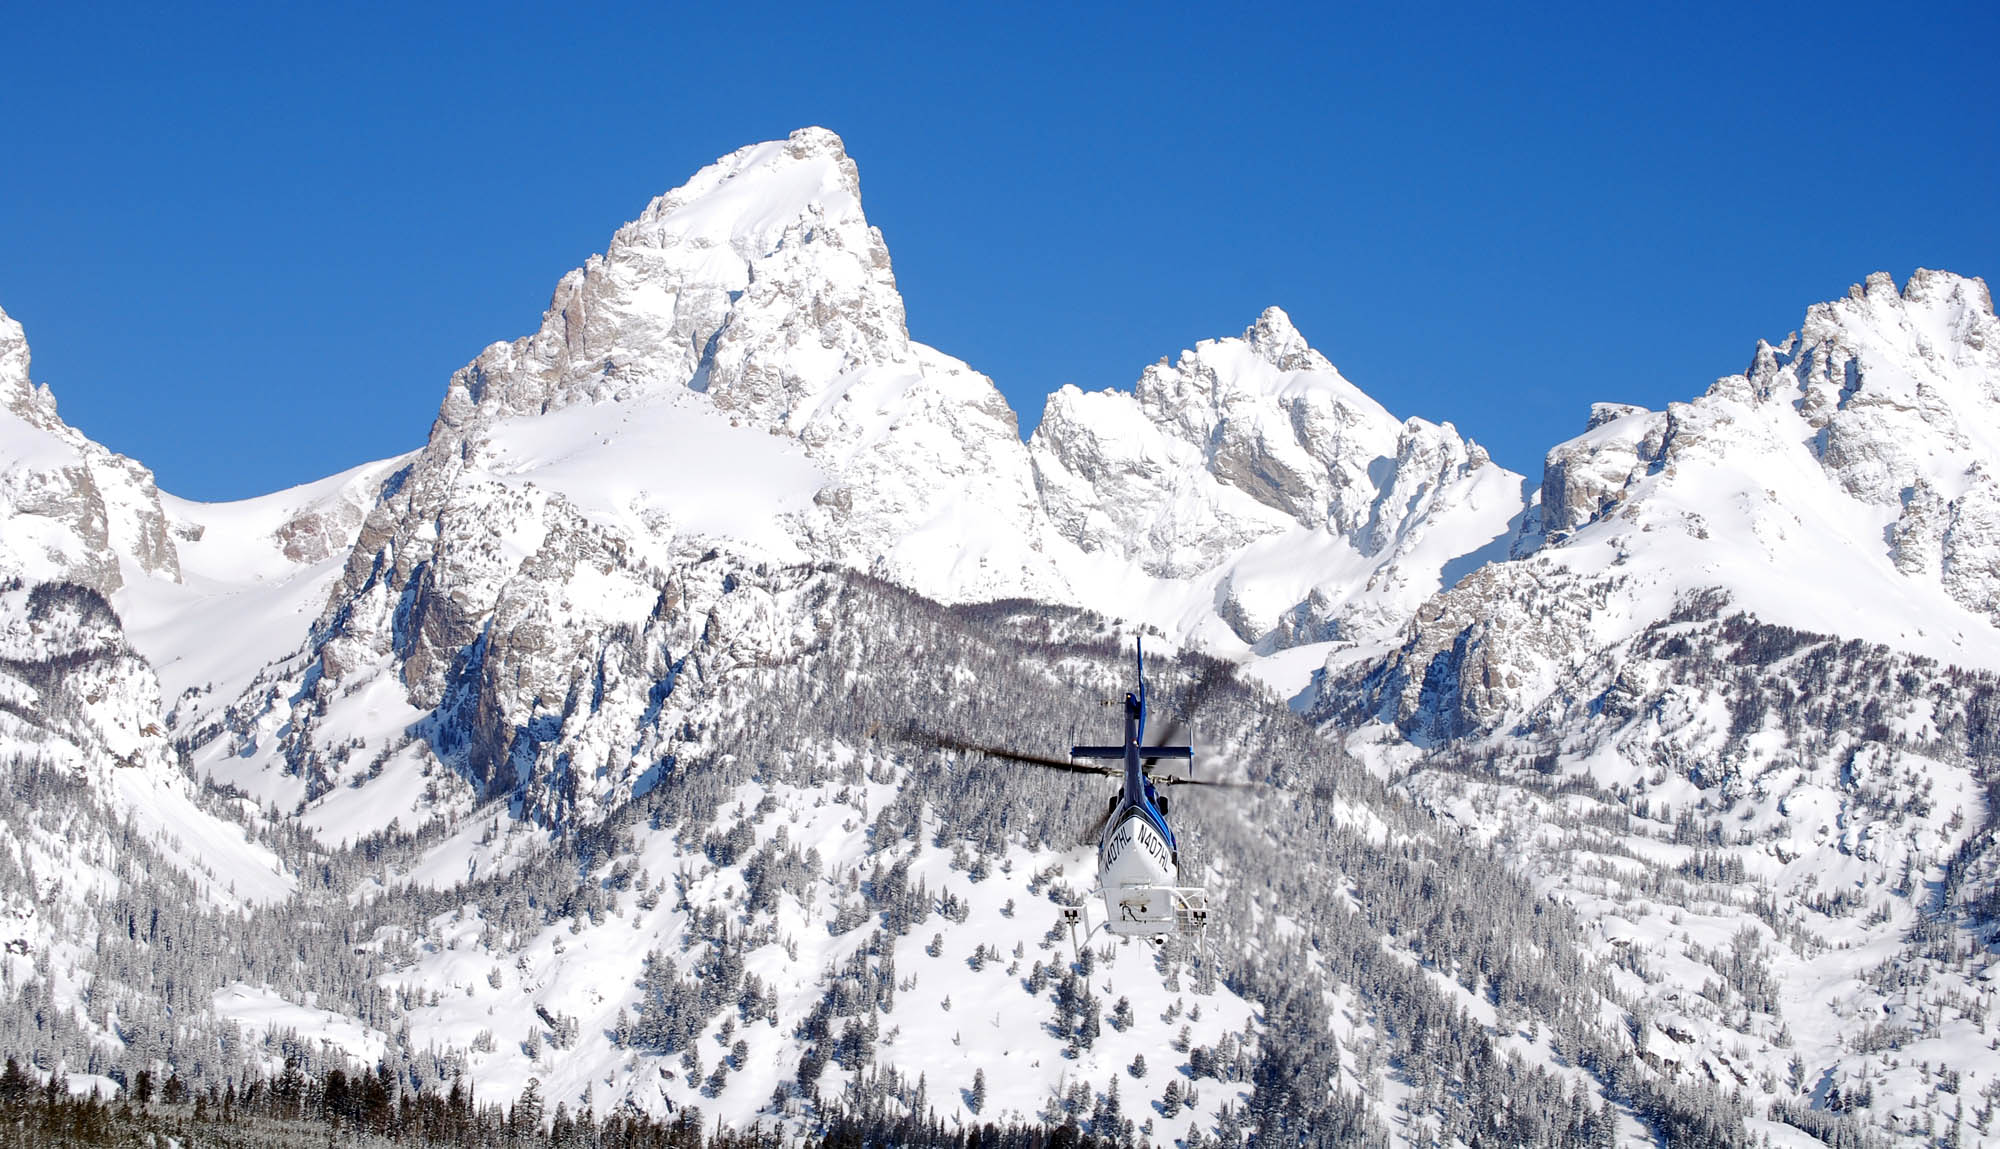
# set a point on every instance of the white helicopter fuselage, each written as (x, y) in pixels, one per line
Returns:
(1135, 854)
(1137, 872)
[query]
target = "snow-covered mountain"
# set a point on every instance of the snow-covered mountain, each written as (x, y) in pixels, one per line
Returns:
(1738, 678)
(568, 747)
(757, 299)
(1250, 494)
(80, 707)
(733, 378)
(1841, 485)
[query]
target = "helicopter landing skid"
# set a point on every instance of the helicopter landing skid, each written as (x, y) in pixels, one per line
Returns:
(1072, 917)
(1149, 913)
(1191, 910)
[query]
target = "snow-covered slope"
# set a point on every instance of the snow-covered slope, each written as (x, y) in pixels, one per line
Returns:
(254, 575)
(1720, 703)
(97, 816)
(808, 908)
(77, 700)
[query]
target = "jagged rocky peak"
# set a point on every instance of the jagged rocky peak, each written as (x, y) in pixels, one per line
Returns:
(1895, 394)
(1279, 343)
(756, 282)
(1880, 372)
(13, 361)
(1584, 478)
(1854, 462)
(72, 510)
(732, 378)
(1239, 438)
(758, 292)
(35, 406)
(1891, 398)
(1278, 421)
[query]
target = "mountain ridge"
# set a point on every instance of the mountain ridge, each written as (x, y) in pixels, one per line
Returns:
(611, 670)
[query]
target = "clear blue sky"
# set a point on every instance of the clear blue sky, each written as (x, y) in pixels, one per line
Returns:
(250, 246)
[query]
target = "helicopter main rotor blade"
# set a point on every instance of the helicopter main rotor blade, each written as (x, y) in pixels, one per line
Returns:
(1096, 830)
(1170, 780)
(1179, 721)
(1212, 673)
(947, 742)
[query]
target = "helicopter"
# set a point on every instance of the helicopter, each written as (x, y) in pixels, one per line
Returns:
(1138, 855)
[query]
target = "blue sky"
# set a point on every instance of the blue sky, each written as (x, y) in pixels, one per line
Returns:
(249, 246)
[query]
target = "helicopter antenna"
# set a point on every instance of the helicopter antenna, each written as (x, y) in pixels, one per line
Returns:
(1139, 665)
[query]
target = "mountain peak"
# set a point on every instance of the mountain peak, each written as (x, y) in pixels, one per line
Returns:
(1275, 322)
(1926, 285)
(814, 139)
(14, 384)
(752, 196)
(754, 282)
(34, 405)
(1279, 343)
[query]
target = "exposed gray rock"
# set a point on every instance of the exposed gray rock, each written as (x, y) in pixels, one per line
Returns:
(70, 510)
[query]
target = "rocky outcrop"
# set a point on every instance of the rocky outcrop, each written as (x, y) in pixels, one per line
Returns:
(70, 510)
(1901, 393)
(1259, 440)
(72, 692)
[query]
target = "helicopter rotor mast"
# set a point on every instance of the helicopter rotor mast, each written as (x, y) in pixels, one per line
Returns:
(1133, 754)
